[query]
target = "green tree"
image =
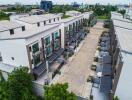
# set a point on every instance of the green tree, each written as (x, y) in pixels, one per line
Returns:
(3, 88)
(3, 16)
(116, 98)
(122, 12)
(58, 92)
(20, 85)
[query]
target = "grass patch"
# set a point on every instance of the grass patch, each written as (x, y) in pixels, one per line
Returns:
(103, 17)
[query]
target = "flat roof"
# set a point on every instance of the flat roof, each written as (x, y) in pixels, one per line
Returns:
(29, 33)
(73, 11)
(123, 30)
(31, 19)
(6, 25)
(37, 18)
(65, 20)
(124, 37)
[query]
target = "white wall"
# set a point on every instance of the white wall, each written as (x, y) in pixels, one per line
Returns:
(7, 33)
(37, 38)
(124, 87)
(16, 49)
(62, 35)
(41, 35)
(27, 25)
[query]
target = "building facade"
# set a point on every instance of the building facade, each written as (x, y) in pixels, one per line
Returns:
(122, 57)
(39, 42)
(46, 5)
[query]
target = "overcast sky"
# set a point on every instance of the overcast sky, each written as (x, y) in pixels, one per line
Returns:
(67, 1)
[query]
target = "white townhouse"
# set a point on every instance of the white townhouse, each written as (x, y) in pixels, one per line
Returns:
(34, 21)
(122, 57)
(72, 31)
(32, 40)
(31, 48)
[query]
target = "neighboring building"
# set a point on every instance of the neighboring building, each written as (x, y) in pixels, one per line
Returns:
(122, 36)
(113, 63)
(37, 12)
(75, 5)
(46, 5)
(73, 13)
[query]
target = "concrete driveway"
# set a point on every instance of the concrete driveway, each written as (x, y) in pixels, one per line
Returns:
(76, 72)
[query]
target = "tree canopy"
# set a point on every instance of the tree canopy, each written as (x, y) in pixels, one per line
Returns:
(58, 92)
(122, 12)
(19, 86)
(3, 16)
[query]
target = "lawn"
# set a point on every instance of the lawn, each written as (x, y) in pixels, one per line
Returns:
(103, 17)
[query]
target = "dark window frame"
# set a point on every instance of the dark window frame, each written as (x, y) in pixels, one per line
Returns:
(50, 21)
(38, 24)
(35, 48)
(44, 23)
(11, 31)
(12, 58)
(23, 28)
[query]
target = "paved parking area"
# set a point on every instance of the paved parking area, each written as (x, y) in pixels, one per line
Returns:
(76, 72)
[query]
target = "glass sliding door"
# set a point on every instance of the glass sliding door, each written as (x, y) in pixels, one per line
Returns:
(56, 41)
(36, 54)
(48, 46)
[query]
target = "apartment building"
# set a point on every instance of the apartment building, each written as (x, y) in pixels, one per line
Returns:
(121, 49)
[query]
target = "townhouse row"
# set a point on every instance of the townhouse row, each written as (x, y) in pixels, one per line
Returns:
(113, 57)
(32, 40)
(121, 50)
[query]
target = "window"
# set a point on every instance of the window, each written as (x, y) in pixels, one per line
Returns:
(37, 59)
(48, 51)
(65, 29)
(44, 23)
(35, 47)
(58, 18)
(11, 31)
(56, 35)
(47, 40)
(56, 44)
(23, 28)
(54, 19)
(38, 24)
(12, 58)
(56, 41)
(49, 21)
